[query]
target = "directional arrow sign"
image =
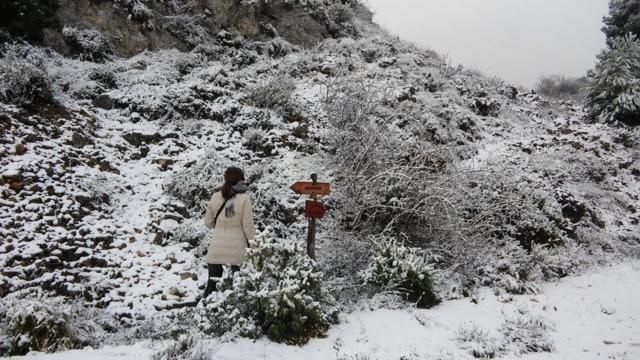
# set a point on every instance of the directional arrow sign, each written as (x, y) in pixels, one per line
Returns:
(310, 188)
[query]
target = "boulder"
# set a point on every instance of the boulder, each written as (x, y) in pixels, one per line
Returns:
(139, 139)
(20, 149)
(103, 101)
(79, 140)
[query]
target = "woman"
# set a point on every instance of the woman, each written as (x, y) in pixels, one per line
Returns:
(229, 212)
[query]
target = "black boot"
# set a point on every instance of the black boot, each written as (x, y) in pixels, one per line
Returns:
(211, 287)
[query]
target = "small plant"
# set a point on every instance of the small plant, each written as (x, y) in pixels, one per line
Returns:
(43, 325)
(526, 334)
(479, 343)
(88, 44)
(187, 347)
(340, 13)
(24, 80)
(275, 94)
(398, 268)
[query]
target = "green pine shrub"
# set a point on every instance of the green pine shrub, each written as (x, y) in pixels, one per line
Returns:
(278, 292)
(615, 92)
(46, 325)
(402, 269)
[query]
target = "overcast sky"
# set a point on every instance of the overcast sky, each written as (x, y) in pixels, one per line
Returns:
(518, 40)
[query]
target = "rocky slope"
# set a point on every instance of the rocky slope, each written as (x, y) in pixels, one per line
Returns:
(127, 27)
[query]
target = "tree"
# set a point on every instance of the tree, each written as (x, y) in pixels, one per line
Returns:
(615, 92)
(624, 18)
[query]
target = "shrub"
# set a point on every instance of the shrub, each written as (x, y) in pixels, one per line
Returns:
(46, 325)
(187, 347)
(138, 11)
(88, 44)
(615, 92)
(395, 267)
(526, 334)
(24, 80)
(274, 94)
(277, 292)
(186, 25)
(195, 185)
(562, 87)
(479, 343)
(340, 13)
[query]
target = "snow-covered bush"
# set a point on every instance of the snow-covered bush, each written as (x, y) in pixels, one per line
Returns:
(485, 106)
(479, 342)
(615, 92)
(257, 140)
(277, 292)
(43, 324)
(482, 222)
(187, 347)
(24, 79)
(139, 11)
(195, 185)
(562, 87)
(191, 231)
(340, 13)
(526, 334)
(402, 269)
(185, 23)
(274, 94)
(88, 44)
(276, 48)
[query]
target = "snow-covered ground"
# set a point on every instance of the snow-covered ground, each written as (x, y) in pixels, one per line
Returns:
(591, 316)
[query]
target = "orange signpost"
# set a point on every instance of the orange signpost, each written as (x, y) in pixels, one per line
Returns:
(311, 188)
(313, 209)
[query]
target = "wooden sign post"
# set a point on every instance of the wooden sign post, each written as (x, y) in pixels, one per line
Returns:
(313, 208)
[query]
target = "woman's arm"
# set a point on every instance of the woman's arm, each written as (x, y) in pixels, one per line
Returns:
(247, 220)
(209, 220)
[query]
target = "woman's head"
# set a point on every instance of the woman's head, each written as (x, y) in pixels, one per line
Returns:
(232, 176)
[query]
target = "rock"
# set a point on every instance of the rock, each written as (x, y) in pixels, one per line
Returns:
(173, 217)
(78, 140)
(386, 62)
(574, 211)
(188, 275)
(83, 198)
(138, 139)
(106, 166)
(103, 102)
(140, 253)
(12, 175)
(158, 238)
(16, 186)
(165, 163)
(176, 292)
(20, 149)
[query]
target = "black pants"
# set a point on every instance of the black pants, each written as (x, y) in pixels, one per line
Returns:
(215, 273)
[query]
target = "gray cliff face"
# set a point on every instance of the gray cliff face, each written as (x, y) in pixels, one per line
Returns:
(165, 24)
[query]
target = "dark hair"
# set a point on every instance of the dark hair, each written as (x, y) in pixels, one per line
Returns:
(232, 176)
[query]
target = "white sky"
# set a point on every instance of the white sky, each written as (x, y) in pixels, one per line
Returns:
(518, 40)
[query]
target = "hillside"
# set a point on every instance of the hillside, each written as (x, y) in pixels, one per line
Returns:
(107, 162)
